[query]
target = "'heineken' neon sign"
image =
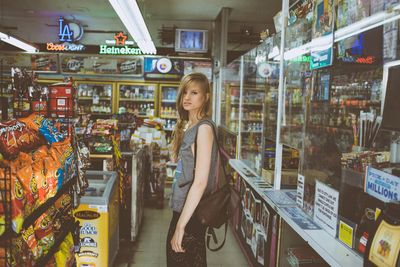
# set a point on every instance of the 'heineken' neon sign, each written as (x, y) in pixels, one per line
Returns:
(119, 50)
(119, 46)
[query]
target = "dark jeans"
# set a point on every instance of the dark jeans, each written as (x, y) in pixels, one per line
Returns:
(193, 243)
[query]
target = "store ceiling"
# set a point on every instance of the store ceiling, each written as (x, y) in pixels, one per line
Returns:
(36, 20)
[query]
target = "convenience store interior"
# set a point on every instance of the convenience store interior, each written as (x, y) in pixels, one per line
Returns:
(304, 96)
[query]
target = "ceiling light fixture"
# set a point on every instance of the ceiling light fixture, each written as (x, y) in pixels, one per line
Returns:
(130, 15)
(18, 43)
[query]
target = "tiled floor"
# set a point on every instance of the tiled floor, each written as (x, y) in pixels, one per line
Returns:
(149, 249)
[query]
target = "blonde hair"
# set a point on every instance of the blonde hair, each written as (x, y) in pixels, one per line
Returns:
(205, 111)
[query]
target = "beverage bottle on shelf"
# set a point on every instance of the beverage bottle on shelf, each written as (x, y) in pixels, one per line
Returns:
(233, 113)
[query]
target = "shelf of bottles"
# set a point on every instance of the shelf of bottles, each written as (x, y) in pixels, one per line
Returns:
(94, 98)
(167, 105)
(137, 98)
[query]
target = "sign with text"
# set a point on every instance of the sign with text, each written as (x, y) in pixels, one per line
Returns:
(46, 63)
(163, 68)
(322, 58)
(204, 67)
(382, 185)
(119, 46)
(300, 190)
(69, 33)
(326, 207)
(102, 65)
(346, 233)
(36, 62)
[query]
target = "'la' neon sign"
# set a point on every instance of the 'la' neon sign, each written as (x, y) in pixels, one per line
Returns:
(65, 34)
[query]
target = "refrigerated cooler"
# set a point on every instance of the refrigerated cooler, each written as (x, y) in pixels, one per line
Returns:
(98, 216)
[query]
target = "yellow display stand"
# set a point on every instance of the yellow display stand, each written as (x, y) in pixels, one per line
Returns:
(98, 216)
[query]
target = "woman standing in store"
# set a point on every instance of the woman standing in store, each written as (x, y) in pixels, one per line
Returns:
(195, 174)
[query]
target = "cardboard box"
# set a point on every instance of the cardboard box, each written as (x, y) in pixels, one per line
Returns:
(288, 177)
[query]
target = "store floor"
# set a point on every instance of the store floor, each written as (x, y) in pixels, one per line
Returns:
(149, 249)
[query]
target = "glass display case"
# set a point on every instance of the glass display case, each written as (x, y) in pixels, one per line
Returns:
(229, 96)
(167, 105)
(95, 98)
(334, 110)
(137, 98)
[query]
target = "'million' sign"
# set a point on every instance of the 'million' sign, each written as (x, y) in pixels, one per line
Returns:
(121, 47)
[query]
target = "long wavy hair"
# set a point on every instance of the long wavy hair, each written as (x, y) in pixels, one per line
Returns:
(205, 111)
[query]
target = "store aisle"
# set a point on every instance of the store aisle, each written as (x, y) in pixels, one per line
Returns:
(149, 250)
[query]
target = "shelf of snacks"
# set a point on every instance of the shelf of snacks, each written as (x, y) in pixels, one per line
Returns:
(137, 98)
(42, 198)
(95, 97)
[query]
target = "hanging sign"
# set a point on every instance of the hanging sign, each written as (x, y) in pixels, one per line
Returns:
(119, 46)
(321, 58)
(163, 68)
(382, 185)
(69, 33)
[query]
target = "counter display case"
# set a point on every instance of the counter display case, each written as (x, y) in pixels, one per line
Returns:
(334, 115)
(95, 98)
(338, 125)
(137, 98)
(167, 105)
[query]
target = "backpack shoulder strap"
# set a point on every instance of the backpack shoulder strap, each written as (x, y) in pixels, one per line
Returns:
(211, 233)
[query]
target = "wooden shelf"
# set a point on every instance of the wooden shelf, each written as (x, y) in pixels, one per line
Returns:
(95, 113)
(168, 101)
(247, 120)
(136, 100)
(91, 98)
(6, 95)
(256, 132)
(100, 156)
(248, 104)
(169, 117)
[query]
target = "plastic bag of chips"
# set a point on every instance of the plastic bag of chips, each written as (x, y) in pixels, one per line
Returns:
(44, 232)
(15, 137)
(29, 237)
(63, 153)
(65, 255)
(43, 126)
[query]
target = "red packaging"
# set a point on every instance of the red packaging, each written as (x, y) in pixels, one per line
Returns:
(61, 100)
(40, 107)
(15, 136)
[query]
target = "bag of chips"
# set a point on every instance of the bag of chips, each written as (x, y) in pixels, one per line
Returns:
(15, 136)
(65, 255)
(21, 203)
(44, 232)
(29, 237)
(43, 126)
(21, 254)
(63, 153)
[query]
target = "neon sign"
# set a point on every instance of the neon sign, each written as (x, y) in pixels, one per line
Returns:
(119, 46)
(113, 50)
(368, 60)
(65, 34)
(65, 47)
(69, 32)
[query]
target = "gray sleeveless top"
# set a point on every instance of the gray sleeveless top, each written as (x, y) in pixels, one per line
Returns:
(184, 172)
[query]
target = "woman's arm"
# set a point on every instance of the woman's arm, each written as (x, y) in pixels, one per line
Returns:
(205, 139)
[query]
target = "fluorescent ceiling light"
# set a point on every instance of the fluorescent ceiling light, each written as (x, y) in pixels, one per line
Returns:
(130, 15)
(18, 43)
